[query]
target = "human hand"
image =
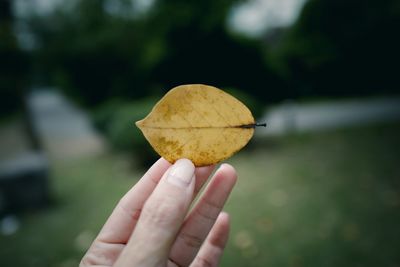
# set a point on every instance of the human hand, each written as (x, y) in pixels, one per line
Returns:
(152, 226)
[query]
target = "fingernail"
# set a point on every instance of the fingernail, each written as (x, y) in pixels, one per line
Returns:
(181, 173)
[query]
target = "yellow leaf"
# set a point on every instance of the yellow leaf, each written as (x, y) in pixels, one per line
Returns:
(198, 122)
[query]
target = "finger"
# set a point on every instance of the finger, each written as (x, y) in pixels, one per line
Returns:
(203, 216)
(161, 218)
(122, 221)
(211, 251)
(202, 174)
(102, 254)
(115, 233)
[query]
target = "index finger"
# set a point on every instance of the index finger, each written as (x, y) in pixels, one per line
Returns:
(122, 220)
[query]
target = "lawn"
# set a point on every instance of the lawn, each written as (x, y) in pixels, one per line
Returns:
(323, 199)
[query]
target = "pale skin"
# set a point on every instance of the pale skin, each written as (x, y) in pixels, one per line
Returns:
(153, 224)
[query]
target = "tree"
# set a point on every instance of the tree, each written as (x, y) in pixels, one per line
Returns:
(341, 47)
(96, 55)
(13, 63)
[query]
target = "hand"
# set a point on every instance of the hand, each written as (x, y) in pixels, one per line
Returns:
(151, 226)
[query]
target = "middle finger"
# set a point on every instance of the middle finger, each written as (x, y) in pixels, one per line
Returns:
(201, 219)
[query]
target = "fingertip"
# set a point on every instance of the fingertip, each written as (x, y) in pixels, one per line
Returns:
(228, 167)
(223, 215)
(228, 171)
(220, 233)
(163, 161)
(186, 162)
(182, 173)
(224, 219)
(156, 171)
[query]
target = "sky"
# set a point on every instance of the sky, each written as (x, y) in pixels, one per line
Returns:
(258, 16)
(252, 18)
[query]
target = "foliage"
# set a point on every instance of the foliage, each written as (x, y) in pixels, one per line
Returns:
(95, 55)
(336, 48)
(342, 48)
(89, 53)
(13, 64)
(321, 199)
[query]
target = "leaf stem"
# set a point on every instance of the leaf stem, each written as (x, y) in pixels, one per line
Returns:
(253, 125)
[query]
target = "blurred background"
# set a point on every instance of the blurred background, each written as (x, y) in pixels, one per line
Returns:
(319, 186)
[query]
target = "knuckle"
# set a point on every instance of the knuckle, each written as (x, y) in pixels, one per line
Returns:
(191, 240)
(209, 211)
(133, 214)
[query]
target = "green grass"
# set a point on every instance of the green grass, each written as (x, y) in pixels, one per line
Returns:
(85, 193)
(326, 199)
(330, 199)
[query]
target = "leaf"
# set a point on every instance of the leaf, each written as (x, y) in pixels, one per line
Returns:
(198, 122)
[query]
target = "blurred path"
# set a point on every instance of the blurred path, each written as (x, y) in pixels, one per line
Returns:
(64, 130)
(293, 117)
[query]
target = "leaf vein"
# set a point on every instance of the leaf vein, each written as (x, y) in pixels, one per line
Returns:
(198, 113)
(213, 107)
(201, 127)
(183, 118)
(233, 110)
